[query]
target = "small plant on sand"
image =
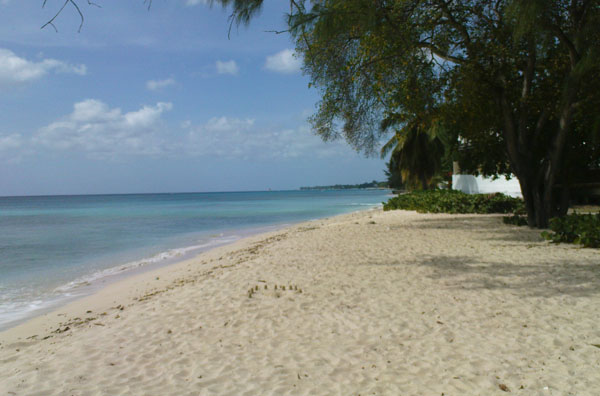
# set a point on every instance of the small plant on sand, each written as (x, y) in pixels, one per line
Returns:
(583, 229)
(277, 289)
(515, 219)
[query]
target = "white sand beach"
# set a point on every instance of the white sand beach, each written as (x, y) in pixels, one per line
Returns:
(375, 303)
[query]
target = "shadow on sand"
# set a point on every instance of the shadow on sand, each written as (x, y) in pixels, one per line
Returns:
(542, 276)
(490, 227)
(547, 279)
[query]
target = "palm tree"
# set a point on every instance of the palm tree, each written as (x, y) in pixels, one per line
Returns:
(417, 150)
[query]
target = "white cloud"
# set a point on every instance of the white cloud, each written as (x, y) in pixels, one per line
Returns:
(224, 124)
(229, 67)
(285, 61)
(13, 148)
(192, 3)
(10, 142)
(15, 70)
(235, 138)
(103, 132)
(97, 130)
(155, 85)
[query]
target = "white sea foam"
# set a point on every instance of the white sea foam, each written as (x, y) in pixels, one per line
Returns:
(18, 305)
(172, 254)
(14, 311)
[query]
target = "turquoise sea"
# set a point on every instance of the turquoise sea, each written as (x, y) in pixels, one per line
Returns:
(57, 248)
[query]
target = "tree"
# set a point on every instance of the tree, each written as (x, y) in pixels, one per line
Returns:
(511, 75)
(394, 178)
(514, 71)
(417, 154)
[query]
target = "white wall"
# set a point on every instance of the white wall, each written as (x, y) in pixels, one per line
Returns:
(483, 185)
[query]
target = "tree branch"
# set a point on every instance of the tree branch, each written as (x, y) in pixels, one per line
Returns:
(581, 13)
(541, 122)
(529, 70)
(277, 31)
(439, 53)
(497, 10)
(462, 30)
(573, 53)
(74, 4)
(510, 137)
(528, 75)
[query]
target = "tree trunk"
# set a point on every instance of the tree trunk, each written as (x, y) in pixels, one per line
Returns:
(538, 198)
(565, 196)
(537, 177)
(538, 188)
(424, 182)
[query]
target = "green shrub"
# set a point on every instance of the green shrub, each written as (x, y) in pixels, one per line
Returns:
(452, 201)
(576, 228)
(515, 219)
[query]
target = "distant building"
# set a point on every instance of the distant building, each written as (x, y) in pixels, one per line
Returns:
(484, 185)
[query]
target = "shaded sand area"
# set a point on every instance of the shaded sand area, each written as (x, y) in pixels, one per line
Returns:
(391, 303)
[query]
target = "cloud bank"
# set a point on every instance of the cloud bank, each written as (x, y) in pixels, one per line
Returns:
(103, 132)
(98, 131)
(234, 138)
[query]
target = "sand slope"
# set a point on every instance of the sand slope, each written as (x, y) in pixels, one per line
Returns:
(393, 303)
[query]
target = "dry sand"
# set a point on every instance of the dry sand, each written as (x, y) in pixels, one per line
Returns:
(393, 303)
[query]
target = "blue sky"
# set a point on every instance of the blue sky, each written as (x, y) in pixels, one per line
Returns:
(157, 101)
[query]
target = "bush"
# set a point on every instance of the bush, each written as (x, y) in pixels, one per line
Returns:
(452, 201)
(515, 219)
(576, 228)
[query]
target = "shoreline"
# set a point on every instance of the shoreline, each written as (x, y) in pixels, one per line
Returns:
(89, 284)
(98, 241)
(125, 286)
(115, 277)
(391, 303)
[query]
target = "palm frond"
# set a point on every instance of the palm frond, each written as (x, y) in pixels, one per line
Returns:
(389, 146)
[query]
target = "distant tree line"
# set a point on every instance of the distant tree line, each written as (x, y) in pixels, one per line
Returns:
(373, 184)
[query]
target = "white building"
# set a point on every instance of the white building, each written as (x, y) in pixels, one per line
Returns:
(485, 185)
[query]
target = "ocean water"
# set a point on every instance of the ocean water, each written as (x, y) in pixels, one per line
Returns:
(56, 248)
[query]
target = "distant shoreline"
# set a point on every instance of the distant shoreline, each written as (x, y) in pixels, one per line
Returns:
(190, 192)
(325, 188)
(374, 185)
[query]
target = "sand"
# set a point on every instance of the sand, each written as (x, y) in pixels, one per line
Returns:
(381, 303)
